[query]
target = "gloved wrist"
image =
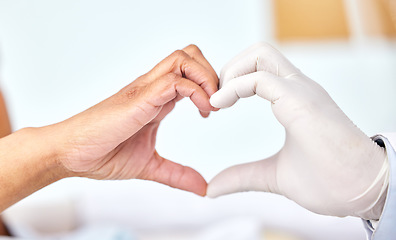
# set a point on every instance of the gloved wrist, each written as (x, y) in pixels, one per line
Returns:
(379, 207)
(378, 188)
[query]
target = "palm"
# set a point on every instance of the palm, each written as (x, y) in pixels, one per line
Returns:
(300, 111)
(136, 156)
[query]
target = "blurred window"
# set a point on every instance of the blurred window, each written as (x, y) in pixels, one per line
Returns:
(378, 17)
(310, 19)
(328, 19)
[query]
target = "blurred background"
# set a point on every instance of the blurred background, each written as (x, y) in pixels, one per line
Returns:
(60, 57)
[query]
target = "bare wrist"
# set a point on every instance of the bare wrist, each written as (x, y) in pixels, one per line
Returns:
(28, 162)
(46, 143)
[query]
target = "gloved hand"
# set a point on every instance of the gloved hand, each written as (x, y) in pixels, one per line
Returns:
(327, 164)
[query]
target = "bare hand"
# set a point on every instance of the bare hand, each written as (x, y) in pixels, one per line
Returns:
(116, 138)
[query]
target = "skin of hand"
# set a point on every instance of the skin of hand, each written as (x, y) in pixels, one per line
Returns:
(5, 126)
(327, 164)
(5, 129)
(114, 139)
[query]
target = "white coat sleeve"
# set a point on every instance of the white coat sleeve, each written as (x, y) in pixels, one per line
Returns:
(386, 227)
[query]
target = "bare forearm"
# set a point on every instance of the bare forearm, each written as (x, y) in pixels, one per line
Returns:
(5, 126)
(5, 129)
(28, 162)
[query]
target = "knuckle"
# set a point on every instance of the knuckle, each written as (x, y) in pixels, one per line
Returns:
(179, 54)
(194, 49)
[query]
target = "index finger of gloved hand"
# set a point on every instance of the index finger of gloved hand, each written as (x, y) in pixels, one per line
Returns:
(195, 53)
(254, 176)
(179, 62)
(259, 57)
(264, 84)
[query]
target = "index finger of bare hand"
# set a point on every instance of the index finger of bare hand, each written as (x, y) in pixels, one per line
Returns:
(171, 86)
(179, 62)
(195, 53)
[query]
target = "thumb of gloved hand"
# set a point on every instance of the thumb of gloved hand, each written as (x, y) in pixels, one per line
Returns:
(327, 164)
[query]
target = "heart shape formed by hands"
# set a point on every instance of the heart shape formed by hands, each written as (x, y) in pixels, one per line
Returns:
(327, 164)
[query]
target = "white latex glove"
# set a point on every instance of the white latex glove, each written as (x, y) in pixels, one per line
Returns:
(327, 165)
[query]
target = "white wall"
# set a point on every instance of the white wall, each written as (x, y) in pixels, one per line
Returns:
(60, 57)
